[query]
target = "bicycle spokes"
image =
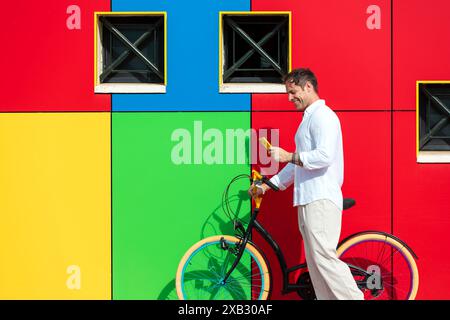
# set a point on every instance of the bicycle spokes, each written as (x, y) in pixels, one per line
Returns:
(205, 270)
(381, 269)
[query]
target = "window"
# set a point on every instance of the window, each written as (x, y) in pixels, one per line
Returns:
(130, 52)
(254, 51)
(433, 121)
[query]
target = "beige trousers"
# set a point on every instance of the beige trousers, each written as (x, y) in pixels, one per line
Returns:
(320, 226)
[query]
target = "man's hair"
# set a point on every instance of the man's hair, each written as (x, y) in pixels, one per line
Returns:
(300, 77)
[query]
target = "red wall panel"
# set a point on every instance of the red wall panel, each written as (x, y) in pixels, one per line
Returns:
(367, 166)
(352, 63)
(46, 66)
(421, 47)
(422, 209)
(278, 215)
(367, 180)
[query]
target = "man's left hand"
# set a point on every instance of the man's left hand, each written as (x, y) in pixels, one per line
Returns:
(280, 155)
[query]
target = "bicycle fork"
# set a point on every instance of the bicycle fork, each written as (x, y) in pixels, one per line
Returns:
(242, 245)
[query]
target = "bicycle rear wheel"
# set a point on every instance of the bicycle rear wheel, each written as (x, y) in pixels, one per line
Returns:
(392, 269)
(202, 269)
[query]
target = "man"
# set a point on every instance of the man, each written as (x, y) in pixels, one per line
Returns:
(316, 169)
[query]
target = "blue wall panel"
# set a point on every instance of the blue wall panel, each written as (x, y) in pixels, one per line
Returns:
(193, 58)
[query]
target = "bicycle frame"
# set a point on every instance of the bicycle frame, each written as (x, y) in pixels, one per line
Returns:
(362, 277)
(287, 287)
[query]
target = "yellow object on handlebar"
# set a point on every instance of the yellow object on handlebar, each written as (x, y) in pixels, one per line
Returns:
(256, 177)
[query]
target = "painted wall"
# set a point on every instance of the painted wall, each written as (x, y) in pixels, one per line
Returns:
(192, 60)
(421, 205)
(393, 192)
(56, 206)
(48, 67)
(88, 185)
(160, 208)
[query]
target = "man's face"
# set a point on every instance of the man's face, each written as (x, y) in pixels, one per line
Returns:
(298, 95)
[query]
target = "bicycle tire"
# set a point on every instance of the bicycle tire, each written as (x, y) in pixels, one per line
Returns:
(359, 250)
(196, 267)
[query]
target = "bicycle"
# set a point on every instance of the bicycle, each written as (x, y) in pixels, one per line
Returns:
(226, 267)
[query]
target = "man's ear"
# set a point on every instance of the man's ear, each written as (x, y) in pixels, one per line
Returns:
(309, 86)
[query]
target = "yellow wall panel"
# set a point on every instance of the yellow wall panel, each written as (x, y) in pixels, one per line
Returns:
(55, 206)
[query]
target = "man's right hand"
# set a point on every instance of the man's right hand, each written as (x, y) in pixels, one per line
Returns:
(257, 191)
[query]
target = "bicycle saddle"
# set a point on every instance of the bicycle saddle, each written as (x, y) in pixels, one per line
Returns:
(348, 203)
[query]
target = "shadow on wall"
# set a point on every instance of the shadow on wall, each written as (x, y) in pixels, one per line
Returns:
(217, 223)
(280, 218)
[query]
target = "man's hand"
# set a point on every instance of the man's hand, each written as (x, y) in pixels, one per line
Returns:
(256, 191)
(280, 155)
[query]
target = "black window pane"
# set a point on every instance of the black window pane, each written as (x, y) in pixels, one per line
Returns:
(270, 33)
(434, 117)
(131, 68)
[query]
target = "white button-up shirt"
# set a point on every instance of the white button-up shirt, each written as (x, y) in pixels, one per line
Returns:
(318, 141)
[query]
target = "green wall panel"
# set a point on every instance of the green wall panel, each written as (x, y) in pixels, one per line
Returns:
(161, 208)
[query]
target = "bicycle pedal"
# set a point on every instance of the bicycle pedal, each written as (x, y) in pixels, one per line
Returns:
(223, 244)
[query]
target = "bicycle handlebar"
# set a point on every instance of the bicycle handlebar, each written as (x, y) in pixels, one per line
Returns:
(257, 177)
(270, 184)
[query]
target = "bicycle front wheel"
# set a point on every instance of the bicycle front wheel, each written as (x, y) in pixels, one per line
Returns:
(389, 269)
(202, 270)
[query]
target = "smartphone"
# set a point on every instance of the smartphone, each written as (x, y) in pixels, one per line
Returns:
(265, 142)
